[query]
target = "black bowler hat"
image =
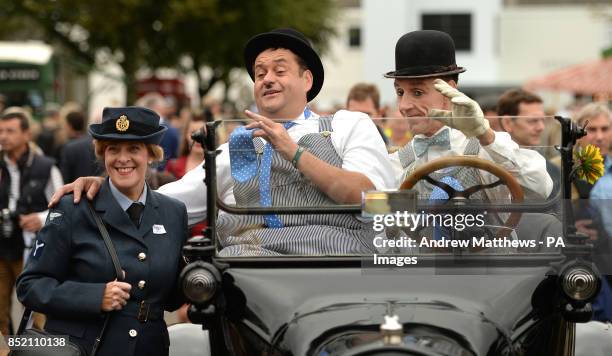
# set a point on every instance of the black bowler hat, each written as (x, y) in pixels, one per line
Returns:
(423, 54)
(130, 123)
(292, 40)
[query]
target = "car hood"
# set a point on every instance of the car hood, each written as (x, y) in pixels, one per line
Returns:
(292, 307)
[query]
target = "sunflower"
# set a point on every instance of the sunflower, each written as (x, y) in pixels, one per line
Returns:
(588, 163)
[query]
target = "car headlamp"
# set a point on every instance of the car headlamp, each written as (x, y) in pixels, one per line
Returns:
(199, 281)
(580, 282)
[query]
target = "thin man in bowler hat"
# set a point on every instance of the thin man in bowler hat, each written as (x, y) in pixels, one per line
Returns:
(446, 122)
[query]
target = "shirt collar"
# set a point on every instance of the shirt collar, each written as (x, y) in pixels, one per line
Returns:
(305, 115)
(123, 200)
(607, 163)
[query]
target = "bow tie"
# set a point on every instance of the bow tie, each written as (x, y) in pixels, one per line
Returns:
(422, 144)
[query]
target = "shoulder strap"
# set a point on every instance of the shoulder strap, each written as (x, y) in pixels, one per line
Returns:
(472, 148)
(325, 123)
(113, 253)
(107, 240)
(406, 155)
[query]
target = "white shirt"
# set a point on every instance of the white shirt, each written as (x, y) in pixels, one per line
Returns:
(527, 166)
(54, 183)
(354, 137)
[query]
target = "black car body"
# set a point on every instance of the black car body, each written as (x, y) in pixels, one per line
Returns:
(450, 303)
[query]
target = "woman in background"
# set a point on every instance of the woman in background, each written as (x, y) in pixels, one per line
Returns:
(191, 154)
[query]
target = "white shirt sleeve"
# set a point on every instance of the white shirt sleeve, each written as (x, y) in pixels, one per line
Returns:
(358, 142)
(527, 166)
(54, 183)
(191, 189)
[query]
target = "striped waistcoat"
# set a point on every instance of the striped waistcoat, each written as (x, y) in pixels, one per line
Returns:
(323, 234)
(466, 175)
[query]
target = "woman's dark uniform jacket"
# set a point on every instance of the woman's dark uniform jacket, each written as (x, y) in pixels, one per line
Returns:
(70, 265)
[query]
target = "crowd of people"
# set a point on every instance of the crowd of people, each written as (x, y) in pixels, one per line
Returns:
(283, 153)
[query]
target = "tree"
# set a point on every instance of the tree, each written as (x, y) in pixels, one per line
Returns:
(213, 33)
(185, 34)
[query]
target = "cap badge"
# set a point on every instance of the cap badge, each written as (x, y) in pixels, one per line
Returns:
(122, 123)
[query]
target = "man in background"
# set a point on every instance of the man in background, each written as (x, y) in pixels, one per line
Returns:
(488, 105)
(365, 98)
(27, 182)
(524, 119)
(598, 120)
(51, 135)
(78, 158)
(170, 141)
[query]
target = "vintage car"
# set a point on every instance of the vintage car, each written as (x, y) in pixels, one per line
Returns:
(483, 297)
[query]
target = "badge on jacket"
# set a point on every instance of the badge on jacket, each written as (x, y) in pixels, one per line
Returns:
(158, 229)
(55, 217)
(37, 249)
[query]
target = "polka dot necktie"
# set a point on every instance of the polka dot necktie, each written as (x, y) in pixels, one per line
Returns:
(265, 195)
(437, 195)
(243, 163)
(243, 158)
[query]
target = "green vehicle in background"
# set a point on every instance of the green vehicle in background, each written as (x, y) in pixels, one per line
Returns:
(28, 75)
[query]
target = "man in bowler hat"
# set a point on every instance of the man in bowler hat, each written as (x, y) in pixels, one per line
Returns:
(288, 155)
(446, 122)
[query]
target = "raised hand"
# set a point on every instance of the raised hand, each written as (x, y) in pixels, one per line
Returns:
(273, 132)
(465, 116)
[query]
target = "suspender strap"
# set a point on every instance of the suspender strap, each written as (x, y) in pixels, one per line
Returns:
(325, 123)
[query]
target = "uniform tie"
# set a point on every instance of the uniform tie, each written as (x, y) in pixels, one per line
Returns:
(134, 212)
(422, 144)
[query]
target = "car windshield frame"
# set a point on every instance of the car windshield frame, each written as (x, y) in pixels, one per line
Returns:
(351, 260)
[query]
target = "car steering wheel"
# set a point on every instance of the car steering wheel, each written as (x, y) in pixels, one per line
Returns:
(516, 191)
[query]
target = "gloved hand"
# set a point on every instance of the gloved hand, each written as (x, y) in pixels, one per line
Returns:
(466, 115)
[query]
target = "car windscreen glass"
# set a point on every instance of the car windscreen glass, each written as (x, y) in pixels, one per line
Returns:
(497, 199)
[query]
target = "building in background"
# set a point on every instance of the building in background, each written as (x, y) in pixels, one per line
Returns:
(471, 23)
(538, 37)
(343, 60)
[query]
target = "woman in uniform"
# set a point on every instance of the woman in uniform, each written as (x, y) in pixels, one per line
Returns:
(70, 276)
